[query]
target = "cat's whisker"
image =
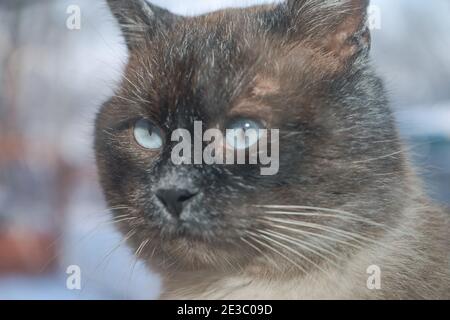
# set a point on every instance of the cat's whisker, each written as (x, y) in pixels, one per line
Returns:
(89, 233)
(316, 226)
(301, 244)
(346, 234)
(116, 208)
(256, 238)
(121, 216)
(318, 266)
(270, 238)
(383, 156)
(141, 247)
(340, 213)
(116, 221)
(313, 234)
(325, 215)
(308, 244)
(137, 255)
(358, 238)
(127, 237)
(232, 267)
(106, 212)
(405, 150)
(308, 208)
(256, 248)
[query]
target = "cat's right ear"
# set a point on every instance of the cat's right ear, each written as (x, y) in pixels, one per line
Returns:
(139, 20)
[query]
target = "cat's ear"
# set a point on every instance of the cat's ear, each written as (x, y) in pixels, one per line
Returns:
(139, 19)
(338, 27)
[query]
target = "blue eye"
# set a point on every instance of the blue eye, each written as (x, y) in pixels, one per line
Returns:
(243, 133)
(147, 135)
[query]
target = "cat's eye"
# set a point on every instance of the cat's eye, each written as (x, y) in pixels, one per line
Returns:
(147, 135)
(243, 133)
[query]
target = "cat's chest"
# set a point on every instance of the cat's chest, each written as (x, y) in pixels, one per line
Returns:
(349, 281)
(333, 285)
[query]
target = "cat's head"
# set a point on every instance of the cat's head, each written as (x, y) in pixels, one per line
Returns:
(300, 67)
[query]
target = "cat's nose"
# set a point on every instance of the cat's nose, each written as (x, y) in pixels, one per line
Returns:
(175, 199)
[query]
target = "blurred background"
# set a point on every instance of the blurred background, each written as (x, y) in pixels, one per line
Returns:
(54, 76)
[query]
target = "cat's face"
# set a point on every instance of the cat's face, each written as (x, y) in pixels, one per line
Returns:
(271, 68)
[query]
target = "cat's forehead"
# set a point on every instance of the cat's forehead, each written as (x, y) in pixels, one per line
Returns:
(232, 36)
(208, 71)
(221, 65)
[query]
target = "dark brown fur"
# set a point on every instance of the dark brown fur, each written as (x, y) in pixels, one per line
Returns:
(301, 67)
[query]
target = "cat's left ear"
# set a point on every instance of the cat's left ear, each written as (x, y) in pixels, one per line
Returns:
(139, 19)
(338, 27)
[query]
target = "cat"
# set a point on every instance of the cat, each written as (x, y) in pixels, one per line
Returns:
(345, 217)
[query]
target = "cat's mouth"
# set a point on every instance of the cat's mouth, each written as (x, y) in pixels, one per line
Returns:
(195, 227)
(192, 231)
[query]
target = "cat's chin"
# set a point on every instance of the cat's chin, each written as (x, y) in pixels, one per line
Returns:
(193, 253)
